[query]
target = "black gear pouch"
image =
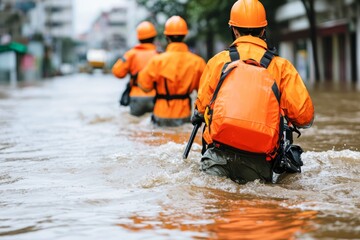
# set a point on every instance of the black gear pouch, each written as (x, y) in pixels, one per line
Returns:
(290, 161)
(125, 97)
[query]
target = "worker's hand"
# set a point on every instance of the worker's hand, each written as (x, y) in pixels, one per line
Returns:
(197, 118)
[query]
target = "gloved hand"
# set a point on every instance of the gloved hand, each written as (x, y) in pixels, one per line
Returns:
(197, 118)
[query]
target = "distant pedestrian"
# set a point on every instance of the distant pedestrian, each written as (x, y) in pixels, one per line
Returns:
(174, 74)
(131, 63)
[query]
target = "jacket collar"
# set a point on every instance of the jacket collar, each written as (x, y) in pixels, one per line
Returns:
(177, 47)
(250, 39)
(149, 46)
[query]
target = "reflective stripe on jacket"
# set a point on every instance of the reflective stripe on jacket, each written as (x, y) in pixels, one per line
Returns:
(295, 100)
(175, 72)
(132, 62)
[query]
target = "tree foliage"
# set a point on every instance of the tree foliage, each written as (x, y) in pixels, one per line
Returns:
(160, 9)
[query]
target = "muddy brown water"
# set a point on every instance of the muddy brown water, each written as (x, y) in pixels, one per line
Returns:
(75, 165)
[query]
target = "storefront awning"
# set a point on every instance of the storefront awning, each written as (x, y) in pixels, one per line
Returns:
(13, 46)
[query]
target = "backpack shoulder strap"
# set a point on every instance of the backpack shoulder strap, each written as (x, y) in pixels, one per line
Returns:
(266, 59)
(265, 62)
(234, 56)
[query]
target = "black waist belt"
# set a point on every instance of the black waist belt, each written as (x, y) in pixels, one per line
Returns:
(133, 79)
(228, 148)
(172, 97)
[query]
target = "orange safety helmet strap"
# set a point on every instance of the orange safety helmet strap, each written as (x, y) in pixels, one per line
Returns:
(175, 26)
(145, 30)
(248, 14)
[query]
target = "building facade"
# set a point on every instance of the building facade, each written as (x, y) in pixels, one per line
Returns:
(48, 17)
(338, 39)
(59, 18)
(114, 30)
(46, 27)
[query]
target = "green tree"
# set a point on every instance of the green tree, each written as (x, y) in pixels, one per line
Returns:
(211, 18)
(166, 7)
(160, 10)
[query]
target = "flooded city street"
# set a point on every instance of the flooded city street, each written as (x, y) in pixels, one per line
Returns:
(76, 165)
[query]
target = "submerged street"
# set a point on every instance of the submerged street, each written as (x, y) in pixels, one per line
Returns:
(76, 165)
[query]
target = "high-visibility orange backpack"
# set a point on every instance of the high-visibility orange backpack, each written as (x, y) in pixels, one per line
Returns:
(244, 112)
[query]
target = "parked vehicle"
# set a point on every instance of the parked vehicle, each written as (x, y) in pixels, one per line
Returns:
(96, 59)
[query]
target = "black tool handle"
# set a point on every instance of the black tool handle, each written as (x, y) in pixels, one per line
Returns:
(191, 140)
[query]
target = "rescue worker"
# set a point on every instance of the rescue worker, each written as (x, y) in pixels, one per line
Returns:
(248, 28)
(131, 63)
(174, 74)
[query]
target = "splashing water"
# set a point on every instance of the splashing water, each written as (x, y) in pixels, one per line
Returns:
(75, 165)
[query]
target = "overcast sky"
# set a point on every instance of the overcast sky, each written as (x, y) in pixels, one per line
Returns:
(85, 12)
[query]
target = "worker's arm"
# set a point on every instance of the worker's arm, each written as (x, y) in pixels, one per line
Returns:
(122, 66)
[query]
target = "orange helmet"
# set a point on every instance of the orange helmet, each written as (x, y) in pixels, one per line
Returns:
(175, 26)
(248, 14)
(145, 30)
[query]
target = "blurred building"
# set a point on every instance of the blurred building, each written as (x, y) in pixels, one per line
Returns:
(338, 39)
(12, 42)
(59, 18)
(53, 19)
(48, 17)
(11, 21)
(46, 27)
(115, 30)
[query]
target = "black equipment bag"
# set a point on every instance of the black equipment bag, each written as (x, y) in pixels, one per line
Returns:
(125, 96)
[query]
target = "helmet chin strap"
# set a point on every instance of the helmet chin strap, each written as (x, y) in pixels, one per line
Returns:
(263, 37)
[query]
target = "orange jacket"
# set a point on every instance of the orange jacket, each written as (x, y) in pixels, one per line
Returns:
(295, 100)
(132, 62)
(177, 69)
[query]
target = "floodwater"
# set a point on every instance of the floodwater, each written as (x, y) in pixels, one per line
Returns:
(75, 165)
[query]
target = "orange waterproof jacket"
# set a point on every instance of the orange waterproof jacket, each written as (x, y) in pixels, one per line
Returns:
(295, 100)
(132, 62)
(173, 73)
